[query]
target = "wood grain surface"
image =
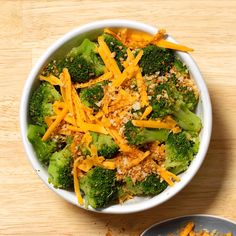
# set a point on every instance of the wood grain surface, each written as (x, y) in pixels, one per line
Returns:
(27, 28)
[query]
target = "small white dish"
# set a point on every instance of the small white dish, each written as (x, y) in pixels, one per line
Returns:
(172, 226)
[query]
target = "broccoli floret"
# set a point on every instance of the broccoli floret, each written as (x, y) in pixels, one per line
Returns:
(55, 67)
(150, 186)
(92, 95)
(43, 149)
(82, 62)
(139, 136)
(105, 144)
(156, 60)
(80, 69)
(186, 119)
(99, 187)
(118, 48)
(168, 100)
(180, 151)
(180, 67)
(59, 169)
(190, 97)
(164, 99)
(41, 101)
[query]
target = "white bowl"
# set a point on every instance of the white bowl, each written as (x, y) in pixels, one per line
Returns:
(91, 31)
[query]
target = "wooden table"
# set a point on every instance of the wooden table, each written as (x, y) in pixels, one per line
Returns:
(27, 206)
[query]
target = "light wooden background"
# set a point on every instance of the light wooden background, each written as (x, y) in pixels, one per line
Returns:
(27, 28)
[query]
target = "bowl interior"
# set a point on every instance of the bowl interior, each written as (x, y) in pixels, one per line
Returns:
(61, 47)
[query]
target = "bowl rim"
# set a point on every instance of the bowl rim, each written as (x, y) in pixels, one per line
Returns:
(207, 119)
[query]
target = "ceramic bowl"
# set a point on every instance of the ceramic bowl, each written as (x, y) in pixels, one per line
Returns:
(91, 31)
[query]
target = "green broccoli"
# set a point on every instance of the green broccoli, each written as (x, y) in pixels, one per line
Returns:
(105, 144)
(166, 100)
(150, 186)
(43, 149)
(59, 169)
(92, 95)
(82, 62)
(190, 97)
(139, 136)
(180, 151)
(117, 48)
(156, 60)
(180, 67)
(55, 67)
(41, 101)
(99, 187)
(163, 99)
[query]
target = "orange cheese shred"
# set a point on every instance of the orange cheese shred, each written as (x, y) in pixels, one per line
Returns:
(142, 89)
(187, 229)
(79, 112)
(76, 183)
(54, 125)
(147, 111)
(107, 58)
(68, 93)
(122, 143)
(158, 36)
(93, 127)
(128, 71)
(167, 44)
(109, 164)
(109, 31)
(167, 176)
(51, 79)
(139, 159)
(49, 120)
(106, 76)
(74, 128)
(167, 123)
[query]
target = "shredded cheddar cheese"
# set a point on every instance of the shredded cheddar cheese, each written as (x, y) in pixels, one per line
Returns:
(54, 125)
(167, 176)
(106, 76)
(142, 89)
(51, 79)
(76, 182)
(147, 111)
(187, 229)
(109, 61)
(128, 71)
(167, 123)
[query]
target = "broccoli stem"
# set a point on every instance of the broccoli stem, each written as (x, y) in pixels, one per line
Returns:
(151, 135)
(187, 119)
(139, 136)
(43, 149)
